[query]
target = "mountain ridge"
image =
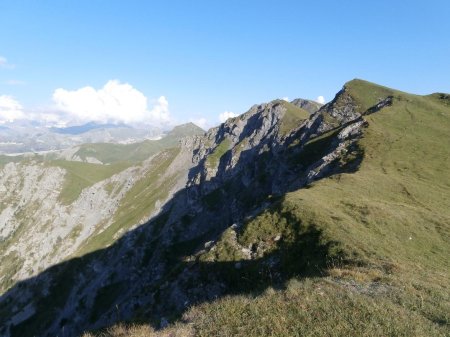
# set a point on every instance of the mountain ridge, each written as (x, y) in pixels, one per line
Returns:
(267, 196)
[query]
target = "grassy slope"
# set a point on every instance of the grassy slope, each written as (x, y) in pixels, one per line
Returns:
(139, 202)
(8, 159)
(118, 157)
(109, 153)
(81, 175)
(391, 221)
(214, 158)
(292, 118)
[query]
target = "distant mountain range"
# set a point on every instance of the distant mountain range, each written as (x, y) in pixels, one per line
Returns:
(79, 129)
(27, 137)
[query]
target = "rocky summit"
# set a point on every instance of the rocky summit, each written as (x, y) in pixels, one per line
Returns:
(277, 217)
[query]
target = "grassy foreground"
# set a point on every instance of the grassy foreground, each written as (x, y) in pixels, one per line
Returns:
(391, 223)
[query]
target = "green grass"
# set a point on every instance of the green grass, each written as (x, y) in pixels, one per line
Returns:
(75, 232)
(225, 249)
(9, 159)
(10, 265)
(367, 94)
(310, 308)
(393, 212)
(80, 175)
(266, 226)
(292, 118)
(214, 158)
(315, 307)
(109, 153)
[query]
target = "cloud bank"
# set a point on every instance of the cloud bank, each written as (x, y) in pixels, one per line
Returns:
(10, 109)
(114, 103)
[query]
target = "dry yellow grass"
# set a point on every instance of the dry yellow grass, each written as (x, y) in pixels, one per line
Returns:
(133, 330)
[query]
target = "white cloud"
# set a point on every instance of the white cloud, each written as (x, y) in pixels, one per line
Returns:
(285, 99)
(225, 115)
(201, 122)
(320, 100)
(5, 64)
(10, 109)
(116, 102)
(160, 111)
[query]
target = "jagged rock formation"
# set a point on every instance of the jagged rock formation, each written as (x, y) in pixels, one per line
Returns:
(166, 233)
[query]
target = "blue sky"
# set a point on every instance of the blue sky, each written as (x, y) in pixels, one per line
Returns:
(208, 57)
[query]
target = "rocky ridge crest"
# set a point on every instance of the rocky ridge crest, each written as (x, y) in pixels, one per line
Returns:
(220, 179)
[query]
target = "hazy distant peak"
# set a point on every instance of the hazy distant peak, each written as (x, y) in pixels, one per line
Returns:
(306, 104)
(187, 129)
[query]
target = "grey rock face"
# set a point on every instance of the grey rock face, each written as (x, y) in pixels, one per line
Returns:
(39, 229)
